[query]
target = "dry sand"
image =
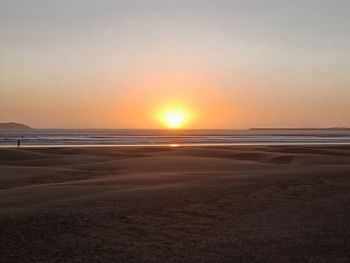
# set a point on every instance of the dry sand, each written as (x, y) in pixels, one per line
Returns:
(184, 204)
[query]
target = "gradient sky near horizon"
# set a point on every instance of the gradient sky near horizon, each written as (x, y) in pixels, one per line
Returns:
(232, 64)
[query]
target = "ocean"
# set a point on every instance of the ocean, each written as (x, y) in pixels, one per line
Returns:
(129, 137)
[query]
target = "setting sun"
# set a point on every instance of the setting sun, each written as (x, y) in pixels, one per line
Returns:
(174, 118)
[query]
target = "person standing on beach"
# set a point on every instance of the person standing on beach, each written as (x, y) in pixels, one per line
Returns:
(18, 144)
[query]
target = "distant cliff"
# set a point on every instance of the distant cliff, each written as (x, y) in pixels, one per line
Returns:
(13, 125)
(301, 129)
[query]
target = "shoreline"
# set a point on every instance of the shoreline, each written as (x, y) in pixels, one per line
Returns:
(173, 145)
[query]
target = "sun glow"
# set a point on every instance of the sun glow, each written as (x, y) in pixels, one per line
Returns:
(175, 118)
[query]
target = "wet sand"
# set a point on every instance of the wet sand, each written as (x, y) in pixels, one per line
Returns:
(175, 204)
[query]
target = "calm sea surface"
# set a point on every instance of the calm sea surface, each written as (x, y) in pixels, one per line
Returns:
(56, 137)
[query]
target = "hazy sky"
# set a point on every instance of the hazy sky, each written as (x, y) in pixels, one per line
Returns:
(233, 64)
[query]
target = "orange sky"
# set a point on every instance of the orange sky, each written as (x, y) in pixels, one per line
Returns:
(211, 100)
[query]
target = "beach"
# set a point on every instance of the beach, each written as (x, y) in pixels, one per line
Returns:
(175, 204)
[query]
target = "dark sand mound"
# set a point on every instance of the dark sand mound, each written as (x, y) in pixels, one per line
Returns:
(175, 204)
(19, 154)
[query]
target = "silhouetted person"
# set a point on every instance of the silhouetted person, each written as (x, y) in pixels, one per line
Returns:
(18, 144)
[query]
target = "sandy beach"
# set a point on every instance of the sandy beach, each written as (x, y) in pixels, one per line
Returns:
(175, 204)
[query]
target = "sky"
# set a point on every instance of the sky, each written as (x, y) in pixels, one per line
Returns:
(229, 64)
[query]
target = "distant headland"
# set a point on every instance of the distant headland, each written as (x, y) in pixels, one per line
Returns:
(13, 125)
(301, 129)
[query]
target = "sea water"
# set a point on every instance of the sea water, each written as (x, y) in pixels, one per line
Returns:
(128, 137)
